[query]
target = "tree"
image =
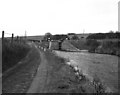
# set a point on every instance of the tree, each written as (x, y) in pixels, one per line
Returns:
(111, 31)
(75, 37)
(47, 36)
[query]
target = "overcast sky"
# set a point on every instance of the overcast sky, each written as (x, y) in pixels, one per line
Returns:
(58, 16)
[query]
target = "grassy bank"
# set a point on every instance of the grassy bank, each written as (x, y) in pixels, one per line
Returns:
(80, 44)
(94, 46)
(12, 53)
(62, 78)
(19, 79)
(109, 47)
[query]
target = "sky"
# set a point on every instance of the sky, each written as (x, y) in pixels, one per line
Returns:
(38, 17)
(119, 16)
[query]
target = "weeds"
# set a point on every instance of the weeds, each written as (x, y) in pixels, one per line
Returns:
(99, 87)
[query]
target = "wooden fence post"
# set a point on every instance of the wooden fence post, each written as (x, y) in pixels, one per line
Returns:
(17, 38)
(12, 37)
(2, 35)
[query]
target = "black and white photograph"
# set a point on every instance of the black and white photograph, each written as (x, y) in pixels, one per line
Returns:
(59, 47)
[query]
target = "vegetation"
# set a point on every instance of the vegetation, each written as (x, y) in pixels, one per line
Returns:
(88, 44)
(19, 79)
(92, 45)
(62, 78)
(75, 37)
(109, 35)
(71, 34)
(59, 37)
(12, 53)
(80, 44)
(47, 36)
(109, 47)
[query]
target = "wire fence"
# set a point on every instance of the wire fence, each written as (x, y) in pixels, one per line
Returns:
(12, 37)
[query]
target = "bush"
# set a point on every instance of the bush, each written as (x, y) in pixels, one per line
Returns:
(92, 44)
(111, 47)
(104, 36)
(99, 87)
(75, 37)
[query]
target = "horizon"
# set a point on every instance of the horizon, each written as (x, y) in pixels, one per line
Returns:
(58, 17)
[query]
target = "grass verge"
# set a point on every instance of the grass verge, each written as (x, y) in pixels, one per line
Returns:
(20, 78)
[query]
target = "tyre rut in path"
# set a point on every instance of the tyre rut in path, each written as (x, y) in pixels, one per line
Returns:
(39, 82)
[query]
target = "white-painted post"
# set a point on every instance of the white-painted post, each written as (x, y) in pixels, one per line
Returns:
(50, 43)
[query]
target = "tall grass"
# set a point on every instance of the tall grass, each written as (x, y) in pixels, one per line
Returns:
(12, 53)
(92, 45)
(103, 46)
(110, 47)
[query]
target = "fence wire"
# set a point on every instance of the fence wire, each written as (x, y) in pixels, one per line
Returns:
(6, 34)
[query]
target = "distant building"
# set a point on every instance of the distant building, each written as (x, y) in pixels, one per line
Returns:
(119, 16)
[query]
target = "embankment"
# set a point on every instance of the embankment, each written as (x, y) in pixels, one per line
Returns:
(12, 53)
(19, 79)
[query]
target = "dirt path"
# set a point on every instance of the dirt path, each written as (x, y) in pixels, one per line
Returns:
(39, 81)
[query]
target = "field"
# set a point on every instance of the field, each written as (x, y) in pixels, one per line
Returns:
(105, 67)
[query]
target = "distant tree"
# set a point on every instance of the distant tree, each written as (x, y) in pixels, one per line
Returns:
(47, 36)
(60, 37)
(117, 31)
(111, 31)
(71, 34)
(75, 37)
(117, 35)
(93, 44)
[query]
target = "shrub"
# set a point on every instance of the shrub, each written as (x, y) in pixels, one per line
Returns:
(111, 47)
(92, 44)
(75, 37)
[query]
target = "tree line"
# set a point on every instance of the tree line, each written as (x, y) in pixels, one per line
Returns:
(104, 36)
